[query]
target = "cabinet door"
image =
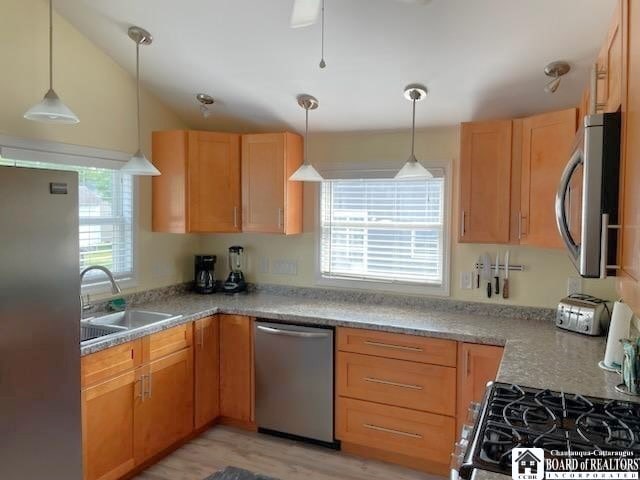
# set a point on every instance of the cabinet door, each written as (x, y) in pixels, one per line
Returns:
(263, 187)
(164, 413)
(108, 427)
(214, 182)
(546, 145)
(207, 371)
(169, 190)
(629, 280)
(236, 368)
(609, 83)
(477, 365)
(485, 182)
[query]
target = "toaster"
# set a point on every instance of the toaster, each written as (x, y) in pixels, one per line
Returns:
(584, 314)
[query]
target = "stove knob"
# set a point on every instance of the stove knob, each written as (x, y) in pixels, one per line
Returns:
(585, 328)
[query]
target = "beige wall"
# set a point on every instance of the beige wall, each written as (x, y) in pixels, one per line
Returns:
(102, 94)
(542, 284)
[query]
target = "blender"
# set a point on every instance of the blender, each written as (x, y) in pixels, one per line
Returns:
(235, 281)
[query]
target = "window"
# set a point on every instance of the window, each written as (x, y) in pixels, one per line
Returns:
(384, 231)
(106, 217)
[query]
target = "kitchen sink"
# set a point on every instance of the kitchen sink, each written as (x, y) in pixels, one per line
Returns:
(98, 327)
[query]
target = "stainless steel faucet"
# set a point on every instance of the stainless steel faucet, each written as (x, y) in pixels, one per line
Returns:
(115, 288)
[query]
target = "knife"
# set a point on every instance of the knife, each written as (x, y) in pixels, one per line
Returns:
(486, 272)
(505, 285)
(496, 273)
(478, 270)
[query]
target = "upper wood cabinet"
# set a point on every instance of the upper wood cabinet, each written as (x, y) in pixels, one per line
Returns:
(477, 365)
(236, 369)
(609, 67)
(629, 238)
(199, 189)
(271, 203)
(546, 145)
(206, 370)
(485, 181)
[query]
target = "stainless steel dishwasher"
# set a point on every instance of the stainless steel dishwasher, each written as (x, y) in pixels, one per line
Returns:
(294, 381)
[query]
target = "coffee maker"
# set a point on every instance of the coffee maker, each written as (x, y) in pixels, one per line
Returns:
(204, 278)
(235, 281)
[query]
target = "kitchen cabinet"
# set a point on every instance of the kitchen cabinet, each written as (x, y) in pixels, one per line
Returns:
(395, 397)
(609, 67)
(236, 370)
(546, 144)
(108, 427)
(628, 279)
(485, 182)
(477, 365)
(199, 189)
(271, 203)
(164, 414)
(206, 371)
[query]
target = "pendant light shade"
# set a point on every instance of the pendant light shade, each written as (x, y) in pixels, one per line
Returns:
(413, 169)
(306, 172)
(139, 164)
(51, 109)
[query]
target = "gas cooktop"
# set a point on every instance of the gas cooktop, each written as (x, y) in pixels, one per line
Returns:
(512, 416)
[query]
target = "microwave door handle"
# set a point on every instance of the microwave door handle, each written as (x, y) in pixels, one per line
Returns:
(561, 211)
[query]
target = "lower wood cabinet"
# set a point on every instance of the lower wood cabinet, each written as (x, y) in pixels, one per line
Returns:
(206, 370)
(164, 410)
(477, 366)
(236, 369)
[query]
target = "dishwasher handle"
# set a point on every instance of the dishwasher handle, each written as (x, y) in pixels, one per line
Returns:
(292, 333)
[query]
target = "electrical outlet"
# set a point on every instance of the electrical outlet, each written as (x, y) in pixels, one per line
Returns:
(263, 265)
(574, 285)
(284, 267)
(466, 280)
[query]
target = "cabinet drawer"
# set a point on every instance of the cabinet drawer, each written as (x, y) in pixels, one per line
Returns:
(108, 363)
(398, 345)
(421, 435)
(419, 386)
(168, 341)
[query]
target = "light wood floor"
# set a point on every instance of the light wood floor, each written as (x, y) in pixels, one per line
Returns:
(220, 447)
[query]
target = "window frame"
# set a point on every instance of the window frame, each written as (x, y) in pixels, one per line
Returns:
(14, 148)
(412, 288)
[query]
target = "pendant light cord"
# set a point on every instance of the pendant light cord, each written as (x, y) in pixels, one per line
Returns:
(413, 128)
(306, 135)
(322, 62)
(138, 90)
(50, 44)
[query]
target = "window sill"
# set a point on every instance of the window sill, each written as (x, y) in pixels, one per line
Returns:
(382, 286)
(104, 287)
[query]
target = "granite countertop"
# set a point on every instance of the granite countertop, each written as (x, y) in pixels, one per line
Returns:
(536, 354)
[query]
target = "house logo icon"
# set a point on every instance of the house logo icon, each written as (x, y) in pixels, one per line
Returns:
(527, 463)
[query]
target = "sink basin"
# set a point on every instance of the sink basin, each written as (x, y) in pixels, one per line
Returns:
(99, 327)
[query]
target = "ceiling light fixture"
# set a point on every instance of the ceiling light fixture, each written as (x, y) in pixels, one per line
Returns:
(555, 70)
(51, 109)
(138, 164)
(413, 169)
(205, 100)
(306, 172)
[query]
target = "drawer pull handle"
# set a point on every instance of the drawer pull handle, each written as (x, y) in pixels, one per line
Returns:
(390, 430)
(389, 345)
(394, 384)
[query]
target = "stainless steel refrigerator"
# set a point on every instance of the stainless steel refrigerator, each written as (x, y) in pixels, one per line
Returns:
(40, 421)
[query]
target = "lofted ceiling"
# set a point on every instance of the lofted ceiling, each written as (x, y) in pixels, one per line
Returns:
(479, 58)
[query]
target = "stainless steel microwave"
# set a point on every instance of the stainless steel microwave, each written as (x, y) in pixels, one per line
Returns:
(587, 199)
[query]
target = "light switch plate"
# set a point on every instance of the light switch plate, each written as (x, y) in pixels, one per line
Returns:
(574, 285)
(263, 265)
(466, 280)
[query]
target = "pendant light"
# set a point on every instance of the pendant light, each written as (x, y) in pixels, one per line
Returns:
(306, 172)
(555, 70)
(138, 164)
(51, 109)
(413, 169)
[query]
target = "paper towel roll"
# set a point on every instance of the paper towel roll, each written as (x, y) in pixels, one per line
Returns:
(618, 329)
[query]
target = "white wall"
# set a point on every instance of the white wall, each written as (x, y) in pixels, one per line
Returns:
(102, 94)
(542, 284)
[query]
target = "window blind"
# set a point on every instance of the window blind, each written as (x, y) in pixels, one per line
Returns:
(383, 230)
(105, 213)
